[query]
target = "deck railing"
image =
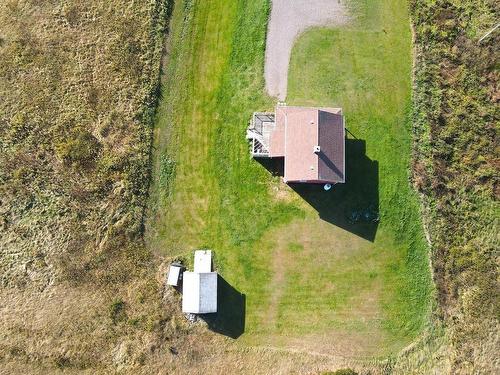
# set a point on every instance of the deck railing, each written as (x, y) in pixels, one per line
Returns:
(258, 133)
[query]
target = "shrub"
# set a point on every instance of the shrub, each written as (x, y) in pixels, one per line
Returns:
(80, 151)
(117, 311)
(344, 371)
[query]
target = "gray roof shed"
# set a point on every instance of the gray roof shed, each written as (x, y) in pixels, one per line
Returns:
(199, 292)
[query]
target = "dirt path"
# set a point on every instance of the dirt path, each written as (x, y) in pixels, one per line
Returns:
(289, 18)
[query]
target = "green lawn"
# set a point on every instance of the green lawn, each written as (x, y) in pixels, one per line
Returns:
(312, 282)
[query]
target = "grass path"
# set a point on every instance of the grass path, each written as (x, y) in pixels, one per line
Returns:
(311, 284)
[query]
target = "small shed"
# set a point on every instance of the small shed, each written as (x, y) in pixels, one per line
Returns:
(199, 292)
(203, 261)
(174, 274)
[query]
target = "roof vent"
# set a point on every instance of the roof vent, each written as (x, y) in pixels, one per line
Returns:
(317, 149)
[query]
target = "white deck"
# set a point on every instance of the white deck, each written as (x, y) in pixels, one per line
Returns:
(259, 132)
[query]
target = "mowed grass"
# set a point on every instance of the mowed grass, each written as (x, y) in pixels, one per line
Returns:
(207, 192)
(366, 69)
(316, 284)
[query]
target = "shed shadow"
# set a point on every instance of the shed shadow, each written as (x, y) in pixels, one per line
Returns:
(231, 309)
(358, 194)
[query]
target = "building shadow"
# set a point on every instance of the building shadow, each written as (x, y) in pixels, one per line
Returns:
(229, 320)
(358, 195)
(275, 166)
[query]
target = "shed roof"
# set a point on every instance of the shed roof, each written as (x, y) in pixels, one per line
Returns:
(199, 292)
(203, 261)
(174, 273)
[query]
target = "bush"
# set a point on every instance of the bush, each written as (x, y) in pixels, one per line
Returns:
(80, 151)
(344, 371)
(117, 311)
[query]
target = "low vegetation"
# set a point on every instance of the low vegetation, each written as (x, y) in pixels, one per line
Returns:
(366, 69)
(345, 371)
(456, 169)
(78, 87)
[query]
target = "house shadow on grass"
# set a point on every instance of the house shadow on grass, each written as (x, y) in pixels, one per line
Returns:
(231, 308)
(358, 194)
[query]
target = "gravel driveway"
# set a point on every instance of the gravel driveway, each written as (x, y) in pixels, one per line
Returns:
(289, 18)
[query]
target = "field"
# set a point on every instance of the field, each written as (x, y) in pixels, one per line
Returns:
(78, 88)
(311, 281)
(81, 291)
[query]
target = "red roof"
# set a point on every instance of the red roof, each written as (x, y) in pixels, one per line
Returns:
(312, 141)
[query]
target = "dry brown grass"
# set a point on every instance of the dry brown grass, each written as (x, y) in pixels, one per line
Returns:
(456, 170)
(78, 87)
(78, 82)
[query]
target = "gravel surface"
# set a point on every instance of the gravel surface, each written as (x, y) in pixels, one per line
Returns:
(289, 18)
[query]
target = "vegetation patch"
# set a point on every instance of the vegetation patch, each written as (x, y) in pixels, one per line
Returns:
(344, 371)
(79, 151)
(117, 311)
(456, 169)
(78, 87)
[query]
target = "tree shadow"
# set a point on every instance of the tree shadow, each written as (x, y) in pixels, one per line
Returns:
(359, 193)
(229, 320)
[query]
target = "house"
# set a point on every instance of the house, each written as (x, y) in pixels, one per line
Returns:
(310, 140)
(199, 287)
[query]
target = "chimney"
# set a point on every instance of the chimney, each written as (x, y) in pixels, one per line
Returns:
(317, 149)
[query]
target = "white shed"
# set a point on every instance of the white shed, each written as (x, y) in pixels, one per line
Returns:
(203, 261)
(199, 292)
(174, 274)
